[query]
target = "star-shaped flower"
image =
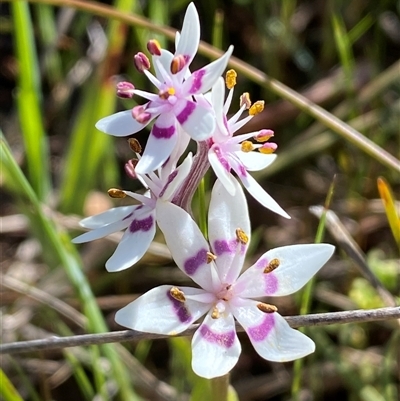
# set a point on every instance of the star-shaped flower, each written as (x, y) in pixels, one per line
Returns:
(228, 152)
(173, 105)
(139, 220)
(225, 295)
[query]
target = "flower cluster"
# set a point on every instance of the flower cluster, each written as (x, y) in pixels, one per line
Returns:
(191, 105)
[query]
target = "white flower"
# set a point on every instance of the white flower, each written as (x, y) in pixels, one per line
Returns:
(229, 152)
(224, 295)
(173, 103)
(139, 220)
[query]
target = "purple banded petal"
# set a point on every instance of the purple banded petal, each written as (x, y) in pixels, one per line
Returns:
(271, 336)
(157, 312)
(134, 243)
(186, 243)
(227, 213)
(120, 124)
(215, 347)
(161, 142)
(297, 264)
(221, 167)
(196, 120)
(202, 80)
(259, 194)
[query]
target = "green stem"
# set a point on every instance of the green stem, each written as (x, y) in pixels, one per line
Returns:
(219, 388)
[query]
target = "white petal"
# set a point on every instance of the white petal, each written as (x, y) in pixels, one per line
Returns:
(217, 100)
(220, 165)
(157, 312)
(102, 231)
(255, 161)
(202, 80)
(165, 60)
(259, 194)
(176, 178)
(198, 121)
(270, 334)
(215, 347)
(190, 35)
(227, 213)
(186, 243)
(297, 265)
(120, 124)
(134, 243)
(107, 217)
(161, 142)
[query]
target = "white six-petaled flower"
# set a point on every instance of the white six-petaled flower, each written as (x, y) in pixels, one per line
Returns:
(139, 220)
(225, 295)
(173, 105)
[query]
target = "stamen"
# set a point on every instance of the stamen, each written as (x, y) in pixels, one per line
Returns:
(247, 146)
(230, 79)
(245, 100)
(268, 148)
(140, 114)
(125, 90)
(177, 294)
(154, 48)
(141, 62)
(267, 308)
(264, 135)
(130, 166)
(256, 108)
(177, 64)
(241, 236)
(272, 265)
(134, 144)
(215, 313)
(116, 193)
(210, 257)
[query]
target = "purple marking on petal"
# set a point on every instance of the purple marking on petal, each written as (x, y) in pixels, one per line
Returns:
(180, 309)
(260, 332)
(271, 283)
(224, 162)
(141, 225)
(224, 340)
(242, 170)
(262, 263)
(127, 217)
(170, 179)
(186, 112)
(197, 81)
(193, 263)
(163, 133)
(224, 246)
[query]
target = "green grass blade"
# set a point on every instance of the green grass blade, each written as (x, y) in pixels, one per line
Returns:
(7, 390)
(28, 98)
(69, 260)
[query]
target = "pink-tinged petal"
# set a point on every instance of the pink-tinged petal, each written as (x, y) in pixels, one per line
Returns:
(165, 61)
(158, 312)
(196, 120)
(227, 213)
(271, 336)
(215, 347)
(120, 124)
(296, 265)
(134, 243)
(176, 179)
(259, 194)
(221, 167)
(107, 217)
(202, 80)
(255, 161)
(161, 142)
(190, 35)
(186, 243)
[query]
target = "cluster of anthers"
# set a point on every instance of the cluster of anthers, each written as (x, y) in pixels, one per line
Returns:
(188, 106)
